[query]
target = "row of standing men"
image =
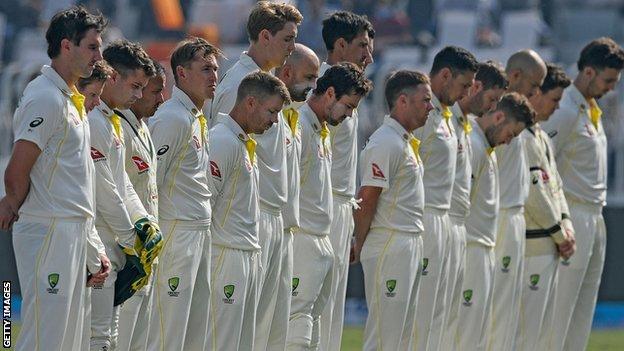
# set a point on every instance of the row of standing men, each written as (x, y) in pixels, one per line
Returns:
(262, 223)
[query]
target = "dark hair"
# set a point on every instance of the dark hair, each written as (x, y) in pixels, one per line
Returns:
(346, 78)
(125, 56)
(262, 85)
(400, 82)
(346, 25)
(72, 24)
(555, 78)
(159, 69)
(457, 59)
(492, 75)
(272, 17)
(101, 72)
(601, 53)
(516, 107)
(185, 52)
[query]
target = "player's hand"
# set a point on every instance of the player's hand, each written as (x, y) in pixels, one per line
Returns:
(7, 214)
(354, 256)
(97, 279)
(568, 247)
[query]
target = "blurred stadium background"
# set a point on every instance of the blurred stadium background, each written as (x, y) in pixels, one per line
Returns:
(409, 33)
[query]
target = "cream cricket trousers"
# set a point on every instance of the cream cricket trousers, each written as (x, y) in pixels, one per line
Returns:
(431, 297)
(234, 299)
(134, 318)
(392, 267)
(271, 280)
(579, 278)
(105, 316)
(51, 264)
(538, 296)
(456, 258)
(508, 278)
(332, 318)
(279, 326)
(474, 311)
(181, 289)
(313, 260)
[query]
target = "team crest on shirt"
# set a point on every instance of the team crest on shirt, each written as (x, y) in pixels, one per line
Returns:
(377, 172)
(506, 261)
(141, 165)
(214, 170)
(391, 287)
(173, 283)
(53, 279)
(467, 294)
(228, 291)
(425, 265)
(295, 285)
(96, 155)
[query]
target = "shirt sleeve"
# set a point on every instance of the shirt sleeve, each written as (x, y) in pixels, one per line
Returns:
(222, 167)
(95, 247)
(38, 119)
(375, 165)
(540, 205)
(110, 205)
(560, 126)
(170, 138)
(133, 202)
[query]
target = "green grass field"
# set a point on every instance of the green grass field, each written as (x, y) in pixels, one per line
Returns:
(600, 340)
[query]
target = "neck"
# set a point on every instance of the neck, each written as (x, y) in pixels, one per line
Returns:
(64, 70)
(436, 89)
(197, 100)
(240, 117)
(582, 85)
(333, 58)
(464, 106)
(402, 121)
(259, 57)
(107, 98)
(137, 114)
(316, 105)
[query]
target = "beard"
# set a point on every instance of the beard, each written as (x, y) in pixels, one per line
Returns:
(490, 135)
(299, 92)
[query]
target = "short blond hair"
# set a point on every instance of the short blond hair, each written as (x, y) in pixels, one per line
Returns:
(272, 17)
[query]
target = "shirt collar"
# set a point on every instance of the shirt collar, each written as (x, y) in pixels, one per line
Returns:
(481, 133)
(186, 101)
(132, 118)
(397, 127)
(578, 98)
(106, 111)
(324, 67)
(306, 114)
(248, 62)
(436, 103)
(458, 113)
(56, 79)
(232, 125)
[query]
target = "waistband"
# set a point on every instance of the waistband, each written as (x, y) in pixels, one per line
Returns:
(200, 224)
(436, 211)
(47, 220)
(591, 207)
(343, 199)
(513, 210)
(297, 231)
(270, 209)
(392, 232)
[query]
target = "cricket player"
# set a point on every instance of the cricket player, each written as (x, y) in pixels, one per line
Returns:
(549, 231)
(580, 147)
(348, 38)
(92, 86)
(50, 191)
(141, 168)
(235, 188)
(525, 71)
(336, 95)
(299, 74)
(498, 126)
(389, 224)
(451, 77)
(118, 206)
(272, 30)
(179, 130)
(488, 87)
